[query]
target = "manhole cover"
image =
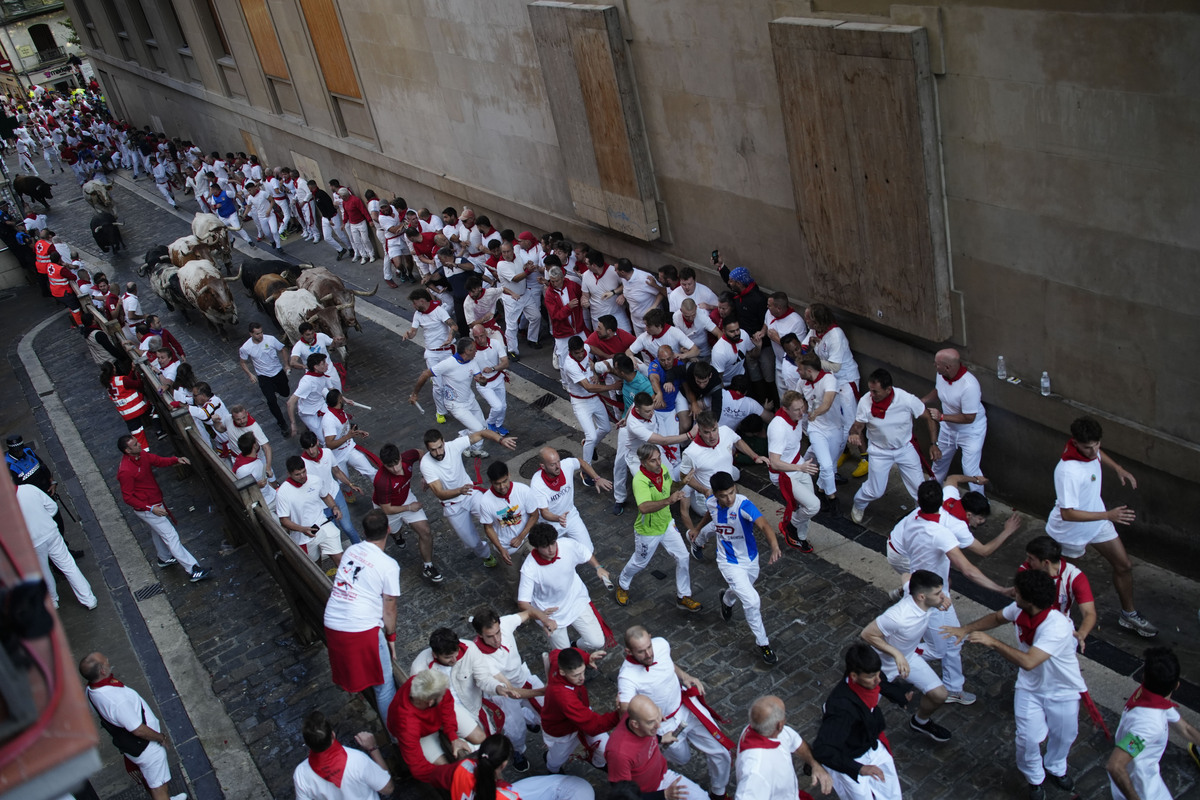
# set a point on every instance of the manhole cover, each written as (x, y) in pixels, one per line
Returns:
(544, 401)
(534, 463)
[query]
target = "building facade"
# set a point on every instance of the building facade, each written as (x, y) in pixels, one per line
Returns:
(1015, 178)
(36, 47)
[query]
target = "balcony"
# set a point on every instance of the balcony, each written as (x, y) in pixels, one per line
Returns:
(12, 10)
(44, 58)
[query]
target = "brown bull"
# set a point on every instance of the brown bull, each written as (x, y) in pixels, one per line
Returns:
(208, 292)
(332, 293)
(295, 306)
(267, 290)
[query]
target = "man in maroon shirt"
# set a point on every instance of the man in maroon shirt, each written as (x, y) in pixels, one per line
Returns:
(633, 753)
(141, 492)
(358, 225)
(421, 710)
(424, 248)
(567, 716)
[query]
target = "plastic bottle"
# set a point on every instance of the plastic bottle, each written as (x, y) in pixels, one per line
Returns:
(1045, 384)
(1001, 368)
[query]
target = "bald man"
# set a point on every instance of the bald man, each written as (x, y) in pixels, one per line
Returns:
(765, 770)
(962, 418)
(633, 754)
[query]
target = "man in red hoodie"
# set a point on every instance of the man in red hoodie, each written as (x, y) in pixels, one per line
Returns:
(141, 492)
(421, 710)
(564, 307)
(567, 716)
(358, 225)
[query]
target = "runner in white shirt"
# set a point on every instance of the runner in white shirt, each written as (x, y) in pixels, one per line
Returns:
(765, 770)
(522, 713)
(1142, 735)
(131, 307)
(962, 416)
(734, 520)
(442, 469)
(521, 299)
(507, 510)
(490, 365)
(710, 452)
(480, 304)
(308, 400)
(262, 209)
(340, 437)
(641, 292)
(688, 289)
(730, 352)
(38, 510)
(736, 405)
(640, 428)
(895, 635)
(826, 435)
(249, 462)
(1046, 697)
(470, 676)
(390, 230)
(363, 773)
(659, 332)
(586, 390)
(782, 319)
(554, 485)
(649, 670)
(457, 375)
(789, 473)
(312, 341)
(1080, 518)
(552, 592)
(886, 414)
(301, 504)
(1073, 588)
(696, 325)
(600, 285)
(439, 331)
(829, 342)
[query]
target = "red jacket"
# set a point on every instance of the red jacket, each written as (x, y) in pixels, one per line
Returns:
(354, 210)
(564, 321)
(408, 724)
(168, 341)
(139, 488)
(568, 710)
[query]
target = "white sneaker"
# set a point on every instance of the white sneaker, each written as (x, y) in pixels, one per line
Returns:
(180, 796)
(856, 514)
(962, 698)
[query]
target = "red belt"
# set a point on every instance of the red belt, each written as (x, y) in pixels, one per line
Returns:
(439, 349)
(693, 700)
(497, 376)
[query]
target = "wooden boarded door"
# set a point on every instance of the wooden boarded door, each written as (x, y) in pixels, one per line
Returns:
(593, 99)
(859, 117)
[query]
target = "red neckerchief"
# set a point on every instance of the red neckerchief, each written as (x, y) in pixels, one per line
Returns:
(329, 764)
(954, 508)
(340, 413)
(736, 395)
(789, 312)
(240, 461)
(637, 663)
(486, 648)
(870, 697)
(603, 272)
(506, 494)
(111, 680)
(697, 440)
(554, 483)
(687, 323)
(538, 558)
(934, 517)
(462, 651)
(817, 379)
(639, 416)
(433, 304)
(732, 343)
(753, 740)
(783, 415)
(1027, 626)
(314, 374)
(1071, 453)
(745, 291)
(879, 410)
(479, 346)
(655, 480)
(317, 460)
(293, 483)
(962, 370)
(580, 361)
(1144, 698)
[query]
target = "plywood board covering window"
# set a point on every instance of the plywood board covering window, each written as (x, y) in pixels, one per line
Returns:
(330, 43)
(262, 31)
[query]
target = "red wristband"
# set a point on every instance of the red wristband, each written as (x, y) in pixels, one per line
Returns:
(391, 637)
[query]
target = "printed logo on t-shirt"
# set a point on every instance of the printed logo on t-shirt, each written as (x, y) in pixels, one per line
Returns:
(1131, 744)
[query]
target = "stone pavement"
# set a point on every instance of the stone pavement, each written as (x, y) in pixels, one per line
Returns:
(238, 623)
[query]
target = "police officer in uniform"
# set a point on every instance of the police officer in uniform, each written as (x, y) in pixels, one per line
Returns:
(24, 466)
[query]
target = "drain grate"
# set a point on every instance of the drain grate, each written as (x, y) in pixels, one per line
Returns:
(544, 401)
(149, 591)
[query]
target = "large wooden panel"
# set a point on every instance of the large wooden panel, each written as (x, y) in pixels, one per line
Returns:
(329, 42)
(593, 99)
(858, 112)
(262, 31)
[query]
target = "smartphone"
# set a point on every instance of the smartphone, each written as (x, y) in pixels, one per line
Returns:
(716, 256)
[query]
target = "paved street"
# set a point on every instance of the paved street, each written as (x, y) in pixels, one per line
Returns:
(265, 682)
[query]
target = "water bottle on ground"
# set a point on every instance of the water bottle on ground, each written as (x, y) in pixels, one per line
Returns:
(1045, 384)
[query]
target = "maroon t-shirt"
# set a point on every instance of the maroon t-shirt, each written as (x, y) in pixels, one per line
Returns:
(634, 758)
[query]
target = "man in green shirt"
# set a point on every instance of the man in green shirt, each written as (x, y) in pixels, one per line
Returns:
(633, 382)
(652, 491)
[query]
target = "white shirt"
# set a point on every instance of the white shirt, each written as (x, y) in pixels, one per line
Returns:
(256, 470)
(903, 625)
(962, 397)
(457, 379)
(814, 394)
(767, 773)
(123, 707)
(545, 586)
(133, 311)
(450, 470)
(264, 355)
(311, 391)
(560, 502)
(302, 349)
(657, 681)
(1077, 485)
(736, 409)
(698, 331)
(834, 347)
(640, 296)
(362, 779)
(323, 469)
(636, 432)
(702, 461)
(475, 310)
(435, 326)
(303, 505)
(38, 509)
(926, 544)
(1058, 676)
(594, 287)
(489, 357)
(508, 271)
(332, 426)
(701, 294)
(784, 438)
(671, 336)
(260, 203)
(896, 428)
(365, 574)
(470, 677)
(792, 322)
(577, 372)
(507, 658)
(507, 515)
(1152, 726)
(729, 359)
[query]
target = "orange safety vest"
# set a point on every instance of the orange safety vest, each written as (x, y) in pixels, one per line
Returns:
(60, 279)
(129, 402)
(41, 254)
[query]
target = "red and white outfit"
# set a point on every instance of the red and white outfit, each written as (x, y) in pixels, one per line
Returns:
(507, 513)
(1046, 698)
(359, 656)
(670, 336)
(764, 765)
(557, 495)
(639, 759)
(632, 435)
(790, 322)
(826, 436)
(568, 720)
(701, 462)
(641, 295)
(1147, 717)
(339, 774)
(434, 324)
(539, 787)
(1071, 586)
(555, 584)
(244, 466)
(890, 442)
(565, 321)
(736, 406)
(681, 711)
(122, 707)
(961, 395)
(494, 391)
(1077, 484)
(458, 379)
(697, 331)
(126, 393)
(520, 279)
(38, 510)
(729, 358)
(304, 505)
(141, 492)
(587, 405)
(506, 661)
(595, 288)
(310, 394)
(470, 677)
(335, 422)
(457, 511)
(903, 626)
(700, 293)
(833, 348)
(784, 437)
(396, 490)
(214, 415)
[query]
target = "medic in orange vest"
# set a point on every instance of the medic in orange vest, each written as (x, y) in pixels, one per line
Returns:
(41, 258)
(60, 277)
(126, 393)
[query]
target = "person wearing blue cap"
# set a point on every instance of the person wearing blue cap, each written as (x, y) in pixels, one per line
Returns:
(750, 305)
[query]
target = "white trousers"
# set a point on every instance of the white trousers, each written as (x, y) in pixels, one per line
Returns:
(697, 736)
(165, 190)
(55, 549)
(940, 647)
(432, 359)
(560, 748)
(968, 439)
(741, 578)
(845, 406)
(690, 787)
(826, 445)
(459, 516)
(643, 551)
(865, 787)
(469, 414)
(588, 632)
(1053, 720)
(234, 224)
(334, 233)
(554, 787)
(360, 239)
(355, 458)
(308, 220)
(495, 394)
(593, 421)
(166, 540)
(880, 463)
(574, 528)
(27, 163)
(621, 472)
(518, 713)
(807, 504)
(267, 224)
(525, 306)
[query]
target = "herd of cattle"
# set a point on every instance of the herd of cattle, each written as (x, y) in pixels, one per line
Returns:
(195, 272)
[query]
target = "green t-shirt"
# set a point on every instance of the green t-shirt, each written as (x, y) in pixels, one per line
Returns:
(654, 524)
(630, 390)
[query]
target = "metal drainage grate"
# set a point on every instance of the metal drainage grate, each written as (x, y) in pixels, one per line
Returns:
(149, 591)
(544, 401)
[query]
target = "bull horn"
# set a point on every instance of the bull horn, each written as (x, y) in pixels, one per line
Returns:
(326, 298)
(306, 266)
(344, 306)
(357, 293)
(236, 277)
(312, 316)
